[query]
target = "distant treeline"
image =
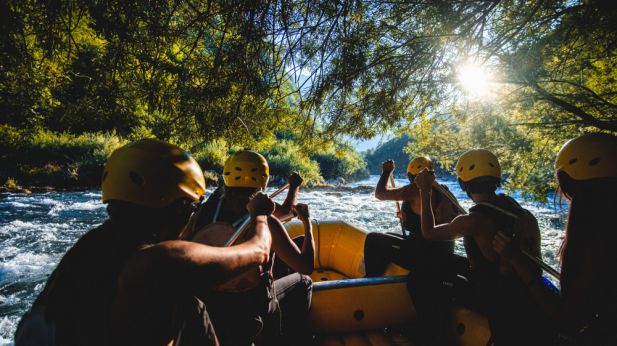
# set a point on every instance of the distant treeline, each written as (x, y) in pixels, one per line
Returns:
(398, 149)
(60, 160)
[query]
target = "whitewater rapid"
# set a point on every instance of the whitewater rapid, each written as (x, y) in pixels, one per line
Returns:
(37, 229)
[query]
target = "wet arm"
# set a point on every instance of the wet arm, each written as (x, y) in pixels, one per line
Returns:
(447, 231)
(284, 212)
(298, 260)
(182, 265)
(384, 193)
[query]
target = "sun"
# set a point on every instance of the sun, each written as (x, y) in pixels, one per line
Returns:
(475, 79)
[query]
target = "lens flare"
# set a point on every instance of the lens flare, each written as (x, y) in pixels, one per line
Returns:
(474, 79)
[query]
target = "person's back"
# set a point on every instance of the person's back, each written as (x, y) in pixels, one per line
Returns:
(497, 291)
(494, 289)
(585, 312)
(121, 282)
(81, 289)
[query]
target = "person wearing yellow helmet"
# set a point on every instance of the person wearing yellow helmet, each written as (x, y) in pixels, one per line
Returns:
(130, 280)
(585, 312)
(273, 310)
(410, 248)
(513, 317)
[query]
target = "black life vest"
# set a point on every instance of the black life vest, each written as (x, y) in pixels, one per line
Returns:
(513, 315)
(237, 316)
(413, 227)
(80, 292)
(505, 221)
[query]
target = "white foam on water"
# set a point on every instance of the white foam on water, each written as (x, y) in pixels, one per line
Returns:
(47, 201)
(26, 265)
(8, 325)
(90, 205)
(18, 205)
(78, 206)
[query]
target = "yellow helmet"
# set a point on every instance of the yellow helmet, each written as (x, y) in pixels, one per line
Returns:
(418, 164)
(246, 168)
(477, 163)
(589, 156)
(151, 173)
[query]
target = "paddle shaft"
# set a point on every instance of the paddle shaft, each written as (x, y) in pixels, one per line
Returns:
(398, 206)
(244, 226)
(533, 258)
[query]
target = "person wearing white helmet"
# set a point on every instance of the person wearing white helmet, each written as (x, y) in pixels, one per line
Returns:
(130, 281)
(492, 286)
(585, 312)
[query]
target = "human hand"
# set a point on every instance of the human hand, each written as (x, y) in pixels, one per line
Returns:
(294, 180)
(302, 211)
(424, 180)
(401, 215)
(260, 205)
(387, 166)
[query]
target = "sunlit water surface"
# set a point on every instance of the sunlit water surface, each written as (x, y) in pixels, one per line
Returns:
(37, 229)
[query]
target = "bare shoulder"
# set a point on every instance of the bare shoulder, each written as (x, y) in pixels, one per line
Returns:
(410, 192)
(397, 194)
(469, 224)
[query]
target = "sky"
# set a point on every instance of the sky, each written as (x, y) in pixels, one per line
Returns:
(364, 145)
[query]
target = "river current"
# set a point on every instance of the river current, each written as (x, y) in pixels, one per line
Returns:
(37, 229)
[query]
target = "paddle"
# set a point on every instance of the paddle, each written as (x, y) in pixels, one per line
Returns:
(244, 226)
(533, 258)
(398, 206)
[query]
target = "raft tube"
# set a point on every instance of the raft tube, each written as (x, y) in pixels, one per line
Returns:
(348, 309)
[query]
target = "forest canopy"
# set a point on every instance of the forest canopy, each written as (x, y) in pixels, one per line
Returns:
(242, 73)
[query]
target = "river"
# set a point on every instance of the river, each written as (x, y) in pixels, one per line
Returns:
(37, 229)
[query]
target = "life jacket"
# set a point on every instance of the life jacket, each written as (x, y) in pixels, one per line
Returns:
(413, 226)
(237, 312)
(514, 317)
(89, 269)
(210, 213)
(78, 296)
(507, 220)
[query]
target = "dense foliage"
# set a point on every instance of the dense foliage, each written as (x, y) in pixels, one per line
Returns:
(218, 75)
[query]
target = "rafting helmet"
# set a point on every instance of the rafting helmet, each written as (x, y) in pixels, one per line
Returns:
(477, 163)
(588, 156)
(418, 164)
(246, 168)
(151, 173)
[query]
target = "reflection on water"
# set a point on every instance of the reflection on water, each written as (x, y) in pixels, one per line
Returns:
(36, 230)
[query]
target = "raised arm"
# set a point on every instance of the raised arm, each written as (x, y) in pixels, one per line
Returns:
(383, 192)
(298, 260)
(284, 212)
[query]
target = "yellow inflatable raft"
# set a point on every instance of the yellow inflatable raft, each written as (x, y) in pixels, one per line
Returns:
(348, 309)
